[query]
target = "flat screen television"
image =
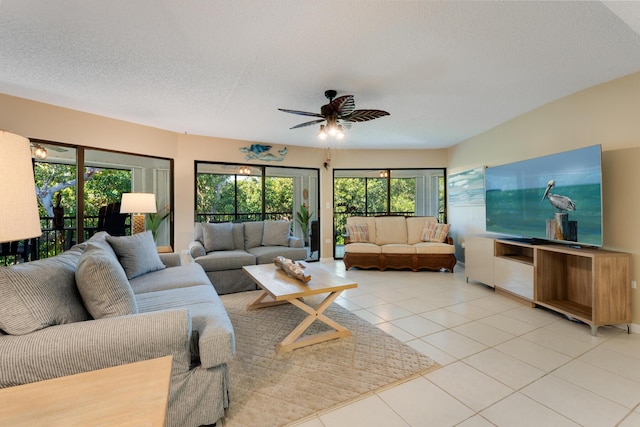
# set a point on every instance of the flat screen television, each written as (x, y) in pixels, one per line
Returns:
(551, 198)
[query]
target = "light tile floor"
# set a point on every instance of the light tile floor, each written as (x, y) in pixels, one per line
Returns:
(503, 363)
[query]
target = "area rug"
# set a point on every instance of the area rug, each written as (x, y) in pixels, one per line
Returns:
(270, 390)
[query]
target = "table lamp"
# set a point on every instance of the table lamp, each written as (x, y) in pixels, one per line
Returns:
(138, 204)
(19, 214)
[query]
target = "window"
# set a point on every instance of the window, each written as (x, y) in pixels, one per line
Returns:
(366, 192)
(70, 203)
(237, 193)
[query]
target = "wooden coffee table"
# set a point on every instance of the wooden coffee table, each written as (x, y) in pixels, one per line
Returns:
(278, 288)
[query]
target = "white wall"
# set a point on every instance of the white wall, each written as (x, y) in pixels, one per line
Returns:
(606, 114)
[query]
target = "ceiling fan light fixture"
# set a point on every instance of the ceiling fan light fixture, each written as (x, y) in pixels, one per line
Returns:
(322, 133)
(332, 125)
(338, 110)
(39, 152)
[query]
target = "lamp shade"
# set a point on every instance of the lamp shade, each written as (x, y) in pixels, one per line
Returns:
(19, 217)
(138, 203)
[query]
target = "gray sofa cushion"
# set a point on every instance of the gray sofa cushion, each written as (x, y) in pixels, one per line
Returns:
(226, 260)
(208, 316)
(275, 233)
(137, 254)
(103, 284)
(252, 234)
(266, 254)
(170, 278)
(217, 236)
(197, 231)
(238, 236)
(40, 293)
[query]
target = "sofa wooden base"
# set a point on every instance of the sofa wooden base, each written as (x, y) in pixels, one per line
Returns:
(414, 262)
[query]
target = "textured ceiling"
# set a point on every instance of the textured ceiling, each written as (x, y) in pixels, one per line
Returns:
(445, 71)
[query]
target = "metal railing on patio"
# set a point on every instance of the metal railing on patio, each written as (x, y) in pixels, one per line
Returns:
(53, 241)
(242, 217)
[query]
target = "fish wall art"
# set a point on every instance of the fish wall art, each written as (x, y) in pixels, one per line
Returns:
(262, 152)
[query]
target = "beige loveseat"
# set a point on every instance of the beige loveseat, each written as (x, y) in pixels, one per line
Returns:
(398, 242)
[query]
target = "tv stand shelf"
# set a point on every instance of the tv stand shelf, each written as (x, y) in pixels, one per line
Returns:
(569, 308)
(585, 284)
(514, 251)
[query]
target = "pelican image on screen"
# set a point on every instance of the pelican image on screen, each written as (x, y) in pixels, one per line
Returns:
(552, 198)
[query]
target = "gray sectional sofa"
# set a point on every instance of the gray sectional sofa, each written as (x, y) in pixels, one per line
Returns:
(222, 249)
(111, 301)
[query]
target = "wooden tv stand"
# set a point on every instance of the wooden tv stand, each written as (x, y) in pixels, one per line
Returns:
(586, 284)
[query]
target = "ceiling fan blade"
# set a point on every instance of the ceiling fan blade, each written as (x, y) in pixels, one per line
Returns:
(364, 115)
(301, 113)
(345, 125)
(343, 105)
(313, 122)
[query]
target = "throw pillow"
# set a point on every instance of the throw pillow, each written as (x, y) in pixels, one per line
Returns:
(434, 232)
(440, 235)
(137, 254)
(358, 233)
(103, 284)
(40, 293)
(253, 234)
(217, 236)
(428, 230)
(275, 233)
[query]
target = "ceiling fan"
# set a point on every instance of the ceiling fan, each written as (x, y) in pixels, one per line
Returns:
(339, 114)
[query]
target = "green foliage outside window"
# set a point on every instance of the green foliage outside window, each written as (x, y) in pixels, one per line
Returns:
(279, 198)
(216, 197)
(57, 181)
(403, 195)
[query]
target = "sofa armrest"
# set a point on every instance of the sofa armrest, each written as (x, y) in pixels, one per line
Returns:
(196, 249)
(296, 242)
(170, 260)
(95, 344)
(449, 240)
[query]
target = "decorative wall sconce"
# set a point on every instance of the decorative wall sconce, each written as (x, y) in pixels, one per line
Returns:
(384, 173)
(244, 170)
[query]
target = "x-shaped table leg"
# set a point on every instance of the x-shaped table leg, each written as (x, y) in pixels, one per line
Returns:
(293, 340)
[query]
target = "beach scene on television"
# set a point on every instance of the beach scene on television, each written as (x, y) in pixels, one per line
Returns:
(556, 197)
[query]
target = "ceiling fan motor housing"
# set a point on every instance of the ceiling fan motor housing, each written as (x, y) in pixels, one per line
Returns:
(330, 94)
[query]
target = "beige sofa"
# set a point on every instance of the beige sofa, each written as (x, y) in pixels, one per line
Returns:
(398, 242)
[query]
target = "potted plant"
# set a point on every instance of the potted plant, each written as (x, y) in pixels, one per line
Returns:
(303, 216)
(154, 220)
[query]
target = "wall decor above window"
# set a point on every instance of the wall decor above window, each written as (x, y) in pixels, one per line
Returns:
(262, 152)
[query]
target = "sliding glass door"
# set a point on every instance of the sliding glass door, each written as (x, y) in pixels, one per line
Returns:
(372, 192)
(74, 184)
(239, 192)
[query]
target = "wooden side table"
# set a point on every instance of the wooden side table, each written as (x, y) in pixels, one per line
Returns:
(135, 394)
